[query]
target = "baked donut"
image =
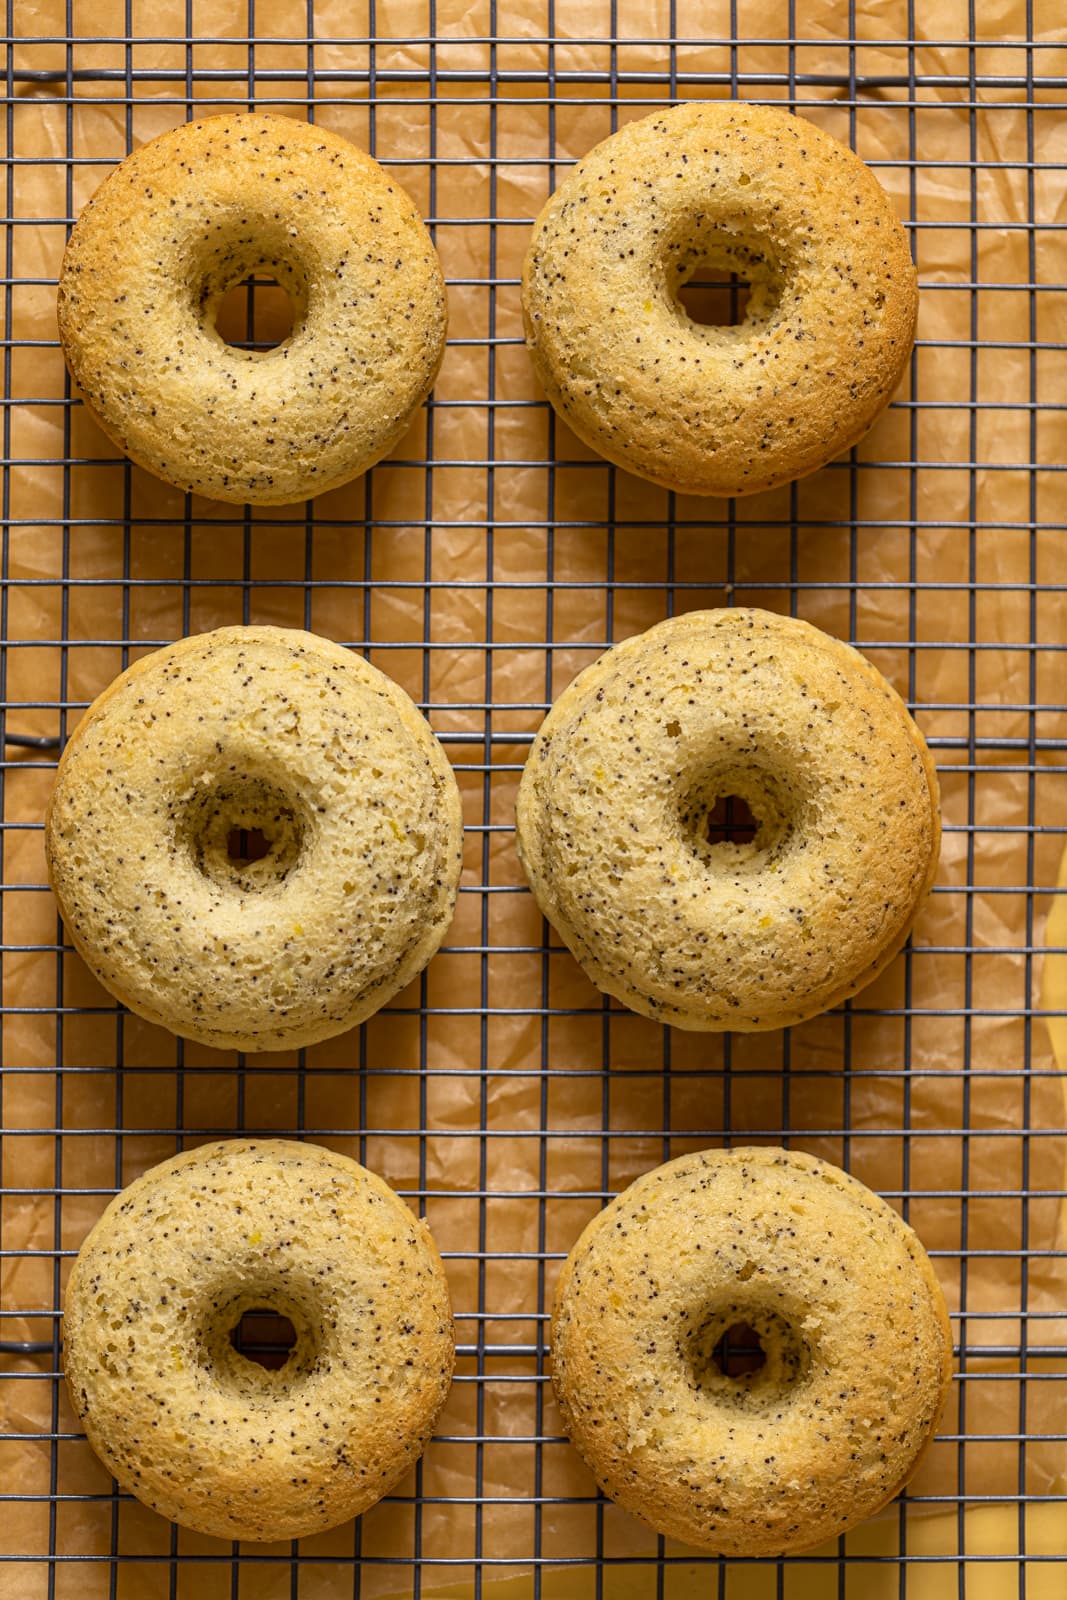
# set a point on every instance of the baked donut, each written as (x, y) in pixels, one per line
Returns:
(194, 212)
(768, 1246)
(254, 838)
(725, 188)
(624, 775)
(197, 1430)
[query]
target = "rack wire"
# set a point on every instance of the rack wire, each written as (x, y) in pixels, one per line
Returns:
(482, 565)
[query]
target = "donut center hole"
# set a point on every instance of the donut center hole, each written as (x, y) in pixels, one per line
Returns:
(739, 1351)
(715, 299)
(247, 844)
(256, 315)
(718, 278)
(736, 818)
(265, 1337)
(731, 820)
(744, 1354)
(249, 286)
(242, 832)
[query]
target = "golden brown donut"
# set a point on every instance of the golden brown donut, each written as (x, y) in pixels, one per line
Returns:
(727, 188)
(254, 731)
(200, 1432)
(848, 1314)
(625, 772)
(194, 212)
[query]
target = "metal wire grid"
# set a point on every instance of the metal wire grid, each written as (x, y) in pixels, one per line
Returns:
(426, 1103)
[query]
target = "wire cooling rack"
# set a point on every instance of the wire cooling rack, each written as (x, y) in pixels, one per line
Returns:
(482, 566)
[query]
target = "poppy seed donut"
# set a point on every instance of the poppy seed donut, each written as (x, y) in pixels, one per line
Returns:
(254, 838)
(194, 212)
(843, 1303)
(197, 1430)
(725, 188)
(622, 780)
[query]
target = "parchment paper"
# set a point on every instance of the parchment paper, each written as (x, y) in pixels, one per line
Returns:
(541, 572)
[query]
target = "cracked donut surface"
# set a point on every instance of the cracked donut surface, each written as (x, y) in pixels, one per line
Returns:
(204, 1434)
(194, 212)
(849, 1318)
(726, 189)
(255, 838)
(629, 766)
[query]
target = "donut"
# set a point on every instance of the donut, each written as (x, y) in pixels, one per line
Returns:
(622, 779)
(199, 1431)
(196, 211)
(254, 838)
(826, 1420)
(719, 188)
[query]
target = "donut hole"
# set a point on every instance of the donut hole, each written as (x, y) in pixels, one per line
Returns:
(745, 1354)
(736, 817)
(720, 279)
(265, 1337)
(731, 820)
(242, 832)
(252, 296)
(247, 844)
(256, 315)
(714, 299)
(739, 1351)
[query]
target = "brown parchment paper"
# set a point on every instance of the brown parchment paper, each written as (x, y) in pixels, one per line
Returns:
(453, 578)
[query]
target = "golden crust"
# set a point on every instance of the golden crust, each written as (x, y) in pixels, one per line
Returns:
(193, 212)
(245, 729)
(741, 189)
(852, 1323)
(204, 1435)
(625, 771)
